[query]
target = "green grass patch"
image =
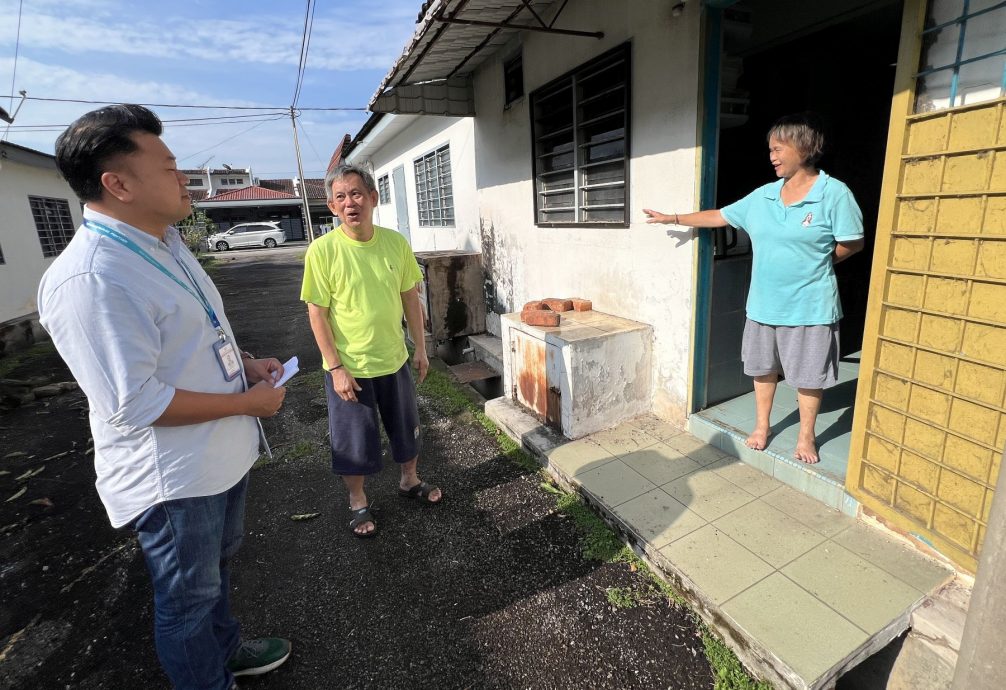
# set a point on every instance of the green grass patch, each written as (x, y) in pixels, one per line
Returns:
(622, 597)
(309, 379)
(301, 449)
(209, 262)
(445, 396)
(12, 361)
(728, 672)
(598, 541)
(262, 461)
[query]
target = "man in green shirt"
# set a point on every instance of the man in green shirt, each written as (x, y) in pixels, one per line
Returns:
(359, 280)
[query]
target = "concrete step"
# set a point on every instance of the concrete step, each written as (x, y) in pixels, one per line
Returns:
(466, 372)
(801, 592)
(488, 348)
(803, 478)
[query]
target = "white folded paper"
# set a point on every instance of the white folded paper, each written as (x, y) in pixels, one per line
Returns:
(289, 369)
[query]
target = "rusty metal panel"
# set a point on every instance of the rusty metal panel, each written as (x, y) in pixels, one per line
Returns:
(532, 385)
(529, 374)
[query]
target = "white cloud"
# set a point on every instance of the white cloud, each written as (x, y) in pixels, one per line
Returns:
(268, 147)
(371, 39)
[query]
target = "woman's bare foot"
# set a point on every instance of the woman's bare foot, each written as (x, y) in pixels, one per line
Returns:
(758, 439)
(806, 450)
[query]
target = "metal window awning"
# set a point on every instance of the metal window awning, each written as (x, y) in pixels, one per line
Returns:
(433, 74)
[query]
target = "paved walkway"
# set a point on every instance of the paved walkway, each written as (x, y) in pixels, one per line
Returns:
(801, 591)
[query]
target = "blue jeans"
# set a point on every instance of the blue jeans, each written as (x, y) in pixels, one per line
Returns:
(186, 544)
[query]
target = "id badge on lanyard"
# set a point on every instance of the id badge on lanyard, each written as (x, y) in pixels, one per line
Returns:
(228, 358)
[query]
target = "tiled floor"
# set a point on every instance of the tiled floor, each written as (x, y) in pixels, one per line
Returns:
(834, 422)
(804, 585)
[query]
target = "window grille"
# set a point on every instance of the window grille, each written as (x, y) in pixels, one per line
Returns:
(383, 190)
(963, 54)
(580, 130)
(434, 194)
(53, 223)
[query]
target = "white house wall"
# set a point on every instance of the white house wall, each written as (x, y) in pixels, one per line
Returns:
(423, 135)
(643, 272)
(22, 251)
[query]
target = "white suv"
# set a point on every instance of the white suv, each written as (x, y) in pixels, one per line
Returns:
(260, 234)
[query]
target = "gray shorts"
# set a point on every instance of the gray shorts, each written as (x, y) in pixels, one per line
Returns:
(807, 356)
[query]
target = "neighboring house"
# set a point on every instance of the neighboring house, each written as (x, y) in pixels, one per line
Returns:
(256, 203)
(207, 182)
(38, 215)
(425, 173)
(596, 110)
(321, 216)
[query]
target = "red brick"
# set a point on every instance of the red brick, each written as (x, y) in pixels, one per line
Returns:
(558, 304)
(581, 304)
(540, 317)
(534, 305)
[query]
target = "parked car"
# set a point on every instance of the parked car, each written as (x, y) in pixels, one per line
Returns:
(260, 234)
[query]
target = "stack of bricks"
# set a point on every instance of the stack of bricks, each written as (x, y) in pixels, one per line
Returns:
(547, 312)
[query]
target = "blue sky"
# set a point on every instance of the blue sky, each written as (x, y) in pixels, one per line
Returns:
(216, 52)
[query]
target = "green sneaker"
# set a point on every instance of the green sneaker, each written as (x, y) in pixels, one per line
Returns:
(254, 657)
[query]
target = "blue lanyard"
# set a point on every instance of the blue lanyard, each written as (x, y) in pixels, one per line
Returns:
(125, 241)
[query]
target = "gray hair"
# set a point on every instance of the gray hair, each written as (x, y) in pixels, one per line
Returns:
(804, 132)
(344, 170)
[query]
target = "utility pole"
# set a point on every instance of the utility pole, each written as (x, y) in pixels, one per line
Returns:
(980, 664)
(300, 171)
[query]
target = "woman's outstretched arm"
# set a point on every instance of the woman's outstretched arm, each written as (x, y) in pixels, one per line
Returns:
(701, 219)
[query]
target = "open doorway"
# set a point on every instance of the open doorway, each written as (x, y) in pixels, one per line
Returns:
(837, 59)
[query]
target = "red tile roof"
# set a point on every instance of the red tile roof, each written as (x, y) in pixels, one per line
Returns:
(252, 193)
(315, 186)
(338, 154)
(197, 194)
(284, 185)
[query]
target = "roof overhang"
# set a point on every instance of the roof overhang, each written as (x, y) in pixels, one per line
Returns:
(382, 129)
(26, 156)
(433, 76)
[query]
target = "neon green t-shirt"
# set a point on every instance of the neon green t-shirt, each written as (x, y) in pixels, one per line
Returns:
(361, 283)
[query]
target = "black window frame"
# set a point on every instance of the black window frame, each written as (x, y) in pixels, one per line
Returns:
(432, 200)
(194, 182)
(383, 190)
(45, 210)
(513, 80)
(582, 141)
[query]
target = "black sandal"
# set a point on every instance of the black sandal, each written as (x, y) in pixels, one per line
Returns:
(421, 491)
(360, 516)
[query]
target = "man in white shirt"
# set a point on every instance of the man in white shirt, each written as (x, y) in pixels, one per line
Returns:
(173, 401)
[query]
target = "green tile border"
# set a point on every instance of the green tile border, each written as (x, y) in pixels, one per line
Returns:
(800, 477)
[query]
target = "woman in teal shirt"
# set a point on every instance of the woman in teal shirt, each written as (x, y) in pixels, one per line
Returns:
(800, 226)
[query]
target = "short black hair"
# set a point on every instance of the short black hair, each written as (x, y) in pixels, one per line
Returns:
(84, 149)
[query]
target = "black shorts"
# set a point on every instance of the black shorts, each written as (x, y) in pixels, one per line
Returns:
(353, 426)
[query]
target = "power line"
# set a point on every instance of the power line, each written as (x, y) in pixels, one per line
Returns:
(17, 47)
(180, 105)
(305, 46)
(180, 122)
(311, 143)
(224, 141)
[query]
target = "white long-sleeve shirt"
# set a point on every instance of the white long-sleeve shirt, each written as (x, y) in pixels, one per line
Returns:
(131, 335)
